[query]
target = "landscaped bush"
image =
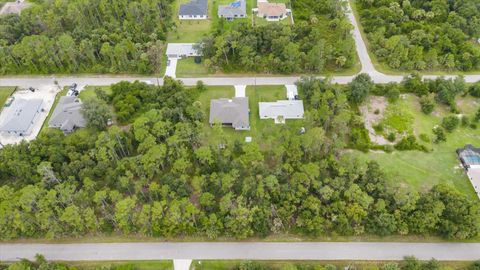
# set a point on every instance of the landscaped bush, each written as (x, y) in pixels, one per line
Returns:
(450, 123)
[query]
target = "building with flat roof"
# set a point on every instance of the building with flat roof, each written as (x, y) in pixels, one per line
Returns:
(21, 116)
(232, 112)
(281, 110)
(67, 116)
(194, 10)
(233, 11)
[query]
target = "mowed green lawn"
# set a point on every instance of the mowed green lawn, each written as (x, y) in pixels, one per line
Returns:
(5, 92)
(89, 92)
(137, 265)
(189, 30)
(263, 131)
(421, 170)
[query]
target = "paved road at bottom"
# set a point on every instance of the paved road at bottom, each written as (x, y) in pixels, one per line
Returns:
(243, 250)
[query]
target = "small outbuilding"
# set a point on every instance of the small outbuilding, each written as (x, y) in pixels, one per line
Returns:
(232, 112)
(67, 116)
(21, 116)
(233, 11)
(194, 10)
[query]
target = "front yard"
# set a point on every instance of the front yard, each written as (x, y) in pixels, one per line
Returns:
(262, 132)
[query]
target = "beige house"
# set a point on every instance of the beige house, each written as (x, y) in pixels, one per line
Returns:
(272, 11)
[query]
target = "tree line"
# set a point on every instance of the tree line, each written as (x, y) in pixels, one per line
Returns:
(319, 41)
(85, 36)
(161, 175)
(423, 35)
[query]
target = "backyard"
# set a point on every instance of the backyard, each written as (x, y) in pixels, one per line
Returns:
(262, 131)
(422, 170)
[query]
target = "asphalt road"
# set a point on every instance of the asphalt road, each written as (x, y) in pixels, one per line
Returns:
(244, 250)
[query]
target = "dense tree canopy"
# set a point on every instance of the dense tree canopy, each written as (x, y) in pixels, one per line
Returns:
(423, 35)
(319, 41)
(159, 176)
(70, 36)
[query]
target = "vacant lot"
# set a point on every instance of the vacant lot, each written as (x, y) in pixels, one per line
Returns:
(262, 131)
(422, 170)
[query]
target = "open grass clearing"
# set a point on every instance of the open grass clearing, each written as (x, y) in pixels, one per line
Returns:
(420, 170)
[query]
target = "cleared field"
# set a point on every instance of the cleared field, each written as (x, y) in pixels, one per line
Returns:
(420, 170)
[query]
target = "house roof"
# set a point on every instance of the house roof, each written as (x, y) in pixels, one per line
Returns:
(232, 111)
(21, 114)
(67, 115)
(194, 7)
(238, 8)
(272, 9)
(288, 109)
(14, 7)
(180, 49)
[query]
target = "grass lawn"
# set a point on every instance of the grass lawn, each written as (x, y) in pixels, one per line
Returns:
(262, 131)
(5, 92)
(57, 98)
(188, 68)
(189, 30)
(137, 265)
(360, 265)
(89, 92)
(420, 170)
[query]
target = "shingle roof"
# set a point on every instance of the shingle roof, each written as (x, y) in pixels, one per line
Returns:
(272, 9)
(21, 115)
(195, 7)
(232, 111)
(288, 109)
(236, 8)
(67, 115)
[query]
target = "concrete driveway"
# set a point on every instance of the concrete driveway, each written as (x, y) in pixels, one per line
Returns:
(240, 90)
(172, 68)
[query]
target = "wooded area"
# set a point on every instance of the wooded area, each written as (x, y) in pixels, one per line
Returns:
(423, 35)
(154, 177)
(319, 41)
(71, 36)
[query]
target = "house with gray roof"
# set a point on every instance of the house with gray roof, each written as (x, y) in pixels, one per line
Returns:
(67, 116)
(281, 110)
(194, 10)
(21, 116)
(232, 112)
(233, 11)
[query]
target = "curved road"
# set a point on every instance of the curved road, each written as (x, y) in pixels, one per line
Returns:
(243, 251)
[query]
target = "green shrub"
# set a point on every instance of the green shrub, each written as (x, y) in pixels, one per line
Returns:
(439, 135)
(391, 137)
(377, 111)
(378, 128)
(465, 121)
(424, 137)
(428, 104)
(450, 123)
(410, 143)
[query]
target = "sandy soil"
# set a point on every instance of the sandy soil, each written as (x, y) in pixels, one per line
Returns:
(371, 119)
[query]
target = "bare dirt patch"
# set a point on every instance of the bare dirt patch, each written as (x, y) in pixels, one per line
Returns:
(375, 104)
